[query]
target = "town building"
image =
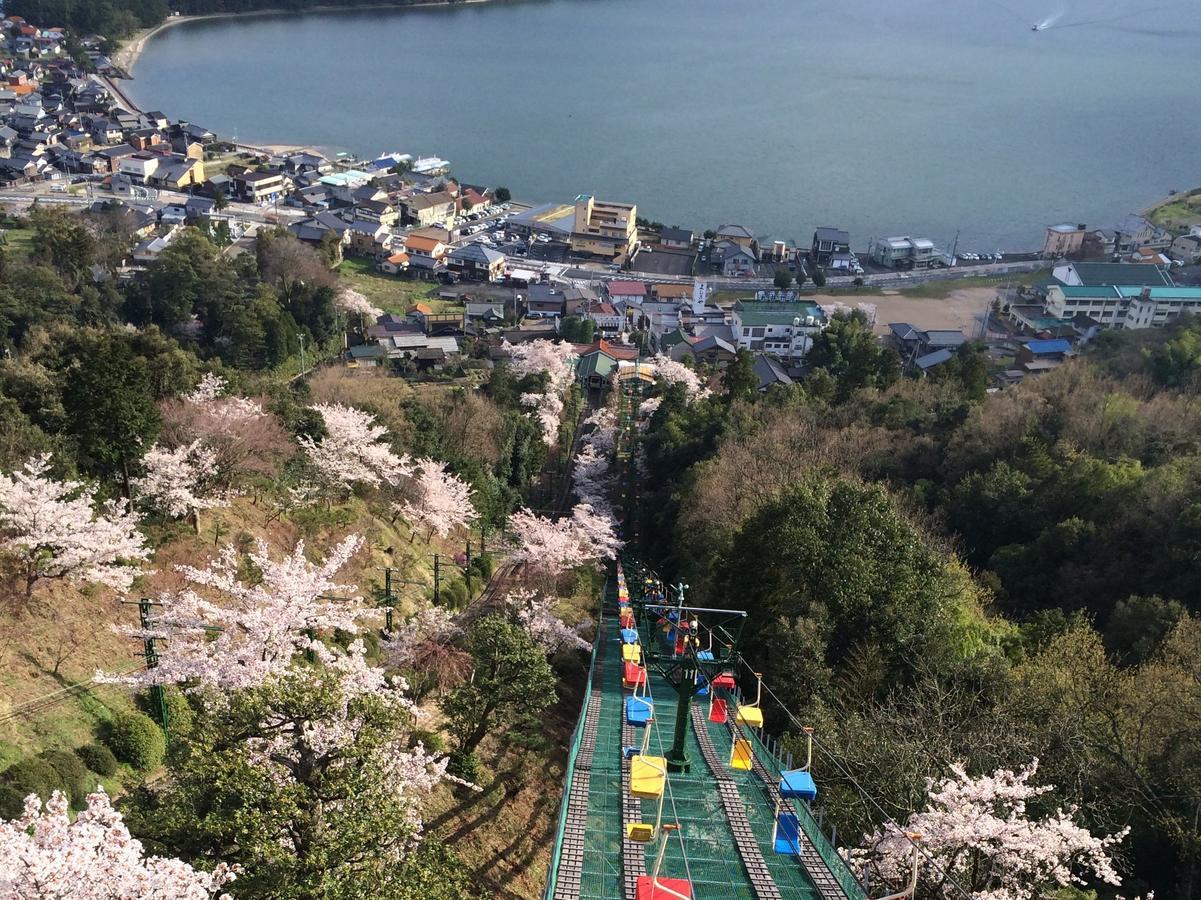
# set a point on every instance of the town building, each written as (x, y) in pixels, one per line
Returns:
(603, 228)
(733, 260)
(1063, 240)
(1129, 306)
(1135, 232)
(905, 253)
(675, 238)
(477, 262)
(1097, 274)
(785, 329)
(829, 243)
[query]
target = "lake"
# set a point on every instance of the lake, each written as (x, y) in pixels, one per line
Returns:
(920, 117)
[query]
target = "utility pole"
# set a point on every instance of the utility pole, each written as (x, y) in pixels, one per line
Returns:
(301, 336)
(158, 697)
(388, 601)
(437, 577)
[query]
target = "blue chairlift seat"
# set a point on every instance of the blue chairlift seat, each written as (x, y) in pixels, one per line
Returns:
(638, 711)
(704, 655)
(704, 683)
(629, 636)
(798, 783)
(788, 834)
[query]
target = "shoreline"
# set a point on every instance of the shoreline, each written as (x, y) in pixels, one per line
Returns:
(126, 58)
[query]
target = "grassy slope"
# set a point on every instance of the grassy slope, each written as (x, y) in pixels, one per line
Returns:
(389, 293)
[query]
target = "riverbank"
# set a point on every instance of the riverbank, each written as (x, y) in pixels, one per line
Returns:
(126, 58)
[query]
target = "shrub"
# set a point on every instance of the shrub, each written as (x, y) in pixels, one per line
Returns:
(464, 765)
(98, 758)
(431, 740)
(137, 740)
(77, 780)
(33, 776)
(180, 714)
(12, 802)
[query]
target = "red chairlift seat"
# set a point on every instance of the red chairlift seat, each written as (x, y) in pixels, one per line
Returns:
(724, 680)
(632, 674)
(717, 710)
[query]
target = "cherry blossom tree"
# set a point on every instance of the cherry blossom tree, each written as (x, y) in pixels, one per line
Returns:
(43, 854)
(553, 359)
(180, 482)
(647, 409)
(591, 478)
(535, 615)
(603, 436)
(425, 649)
(226, 632)
(354, 303)
(244, 436)
(674, 372)
(51, 529)
(980, 834)
(552, 547)
(442, 501)
(353, 450)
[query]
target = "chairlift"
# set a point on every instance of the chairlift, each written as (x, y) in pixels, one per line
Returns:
(749, 714)
(648, 774)
(706, 655)
(786, 832)
(639, 709)
(742, 756)
(652, 887)
(632, 675)
(724, 680)
(629, 636)
(717, 709)
(631, 653)
(799, 783)
(702, 685)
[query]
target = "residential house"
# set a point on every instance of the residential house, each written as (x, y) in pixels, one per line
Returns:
(140, 167)
(477, 262)
(676, 238)
(490, 312)
(1187, 249)
(624, 294)
(905, 253)
(1036, 357)
(261, 187)
(929, 361)
(396, 264)
(609, 320)
(1063, 240)
(427, 256)
(827, 243)
(545, 301)
(112, 156)
(785, 329)
(770, 372)
(738, 234)
(603, 228)
(425, 210)
(1134, 232)
(178, 173)
(912, 342)
(368, 238)
(421, 351)
(377, 211)
(366, 356)
(596, 369)
(714, 350)
(733, 260)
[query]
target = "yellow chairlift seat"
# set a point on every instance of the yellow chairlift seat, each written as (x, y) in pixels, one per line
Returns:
(642, 832)
(750, 716)
(648, 775)
(741, 755)
(631, 653)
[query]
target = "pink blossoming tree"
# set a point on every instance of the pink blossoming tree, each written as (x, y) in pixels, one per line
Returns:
(53, 529)
(180, 482)
(43, 854)
(980, 833)
(441, 501)
(354, 450)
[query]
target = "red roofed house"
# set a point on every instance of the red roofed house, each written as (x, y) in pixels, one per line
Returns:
(624, 294)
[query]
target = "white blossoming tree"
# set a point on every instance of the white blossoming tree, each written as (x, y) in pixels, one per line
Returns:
(667, 369)
(43, 854)
(536, 616)
(355, 304)
(553, 359)
(180, 482)
(591, 478)
(353, 450)
(981, 834)
(225, 632)
(53, 529)
(441, 501)
(551, 547)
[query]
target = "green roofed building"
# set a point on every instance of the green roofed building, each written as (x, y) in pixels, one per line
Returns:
(785, 329)
(1123, 306)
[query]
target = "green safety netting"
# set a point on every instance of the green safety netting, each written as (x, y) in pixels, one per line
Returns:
(709, 857)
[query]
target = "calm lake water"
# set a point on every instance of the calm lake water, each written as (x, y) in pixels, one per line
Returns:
(918, 117)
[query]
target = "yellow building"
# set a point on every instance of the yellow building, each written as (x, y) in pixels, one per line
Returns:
(604, 229)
